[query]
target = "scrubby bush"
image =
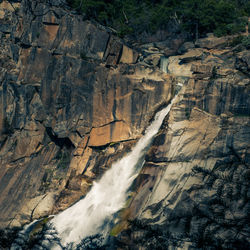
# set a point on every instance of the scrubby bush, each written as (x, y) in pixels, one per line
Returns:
(246, 41)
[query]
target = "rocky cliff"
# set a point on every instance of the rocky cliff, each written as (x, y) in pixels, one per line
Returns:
(74, 98)
(193, 191)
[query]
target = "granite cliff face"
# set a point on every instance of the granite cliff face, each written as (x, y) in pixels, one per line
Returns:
(193, 191)
(75, 98)
(72, 100)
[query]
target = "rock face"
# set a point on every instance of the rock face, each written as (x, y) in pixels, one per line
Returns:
(73, 99)
(193, 191)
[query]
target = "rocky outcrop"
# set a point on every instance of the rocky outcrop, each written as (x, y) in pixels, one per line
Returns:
(193, 191)
(73, 99)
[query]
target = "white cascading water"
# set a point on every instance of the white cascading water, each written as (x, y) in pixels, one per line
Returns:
(108, 195)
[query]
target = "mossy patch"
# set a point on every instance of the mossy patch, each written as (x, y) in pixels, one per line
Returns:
(118, 228)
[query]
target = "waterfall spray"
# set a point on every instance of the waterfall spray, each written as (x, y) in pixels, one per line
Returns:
(93, 214)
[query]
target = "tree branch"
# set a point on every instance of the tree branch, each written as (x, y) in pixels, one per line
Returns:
(124, 14)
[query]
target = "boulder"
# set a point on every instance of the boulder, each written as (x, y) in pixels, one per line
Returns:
(128, 55)
(212, 42)
(242, 62)
(185, 47)
(113, 51)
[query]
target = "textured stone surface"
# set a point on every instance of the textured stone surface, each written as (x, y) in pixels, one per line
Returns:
(72, 100)
(194, 187)
(212, 42)
(128, 55)
(113, 132)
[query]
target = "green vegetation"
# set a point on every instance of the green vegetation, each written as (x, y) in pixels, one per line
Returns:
(244, 40)
(198, 17)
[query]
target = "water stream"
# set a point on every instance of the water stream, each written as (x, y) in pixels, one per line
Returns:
(94, 214)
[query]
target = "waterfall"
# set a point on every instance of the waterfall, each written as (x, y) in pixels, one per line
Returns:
(164, 61)
(93, 214)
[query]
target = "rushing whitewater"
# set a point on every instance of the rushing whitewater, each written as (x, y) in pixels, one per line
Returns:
(93, 214)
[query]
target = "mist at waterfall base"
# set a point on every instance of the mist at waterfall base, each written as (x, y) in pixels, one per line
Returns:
(95, 213)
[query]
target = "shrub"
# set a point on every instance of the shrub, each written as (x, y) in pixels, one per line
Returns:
(246, 41)
(237, 40)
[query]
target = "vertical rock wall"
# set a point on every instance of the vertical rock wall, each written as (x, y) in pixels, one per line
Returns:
(72, 99)
(193, 191)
